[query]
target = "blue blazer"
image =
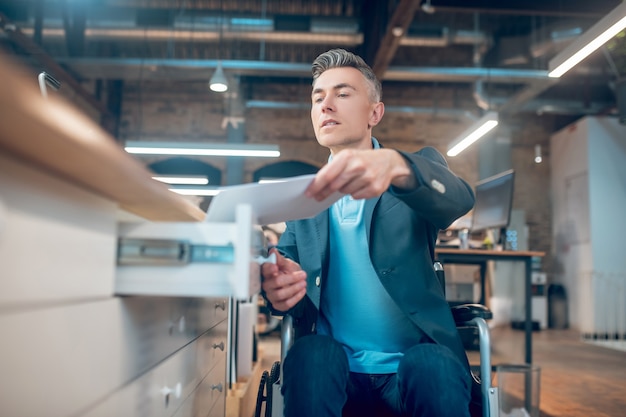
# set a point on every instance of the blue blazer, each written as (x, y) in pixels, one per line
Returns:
(402, 229)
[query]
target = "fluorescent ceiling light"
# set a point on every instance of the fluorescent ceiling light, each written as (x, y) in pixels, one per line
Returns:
(196, 191)
(479, 129)
(596, 36)
(202, 149)
(189, 180)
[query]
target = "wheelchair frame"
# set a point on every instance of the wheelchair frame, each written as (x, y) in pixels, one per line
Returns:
(472, 315)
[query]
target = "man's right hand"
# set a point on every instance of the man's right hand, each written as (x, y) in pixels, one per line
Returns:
(284, 283)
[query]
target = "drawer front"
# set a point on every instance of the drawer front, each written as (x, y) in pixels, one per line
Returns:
(219, 408)
(211, 392)
(57, 241)
(194, 280)
(158, 326)
(214, 347)
(208, 311)
(209, 397)
(233, 271)
(71, 357)
(167, 389)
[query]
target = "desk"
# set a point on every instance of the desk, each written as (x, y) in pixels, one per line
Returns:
(481, 257)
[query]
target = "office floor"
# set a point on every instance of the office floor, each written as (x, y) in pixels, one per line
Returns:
(577, 379)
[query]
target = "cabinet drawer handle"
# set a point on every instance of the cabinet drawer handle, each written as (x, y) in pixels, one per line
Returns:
(221, 305)
(179, 324)
(166, 391)
(219, 346)
(218, 387)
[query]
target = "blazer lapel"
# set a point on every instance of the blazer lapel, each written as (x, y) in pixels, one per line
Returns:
(321, 223)
(368, 213)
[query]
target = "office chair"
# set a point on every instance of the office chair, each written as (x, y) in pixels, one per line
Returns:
(484, 395)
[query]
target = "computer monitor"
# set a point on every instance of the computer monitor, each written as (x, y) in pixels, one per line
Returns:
(494, 198)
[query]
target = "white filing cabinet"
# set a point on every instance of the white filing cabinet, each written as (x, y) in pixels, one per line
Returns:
(71, 347)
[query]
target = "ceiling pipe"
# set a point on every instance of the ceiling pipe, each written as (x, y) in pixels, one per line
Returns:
(485, 103)
(343, 31)
(292, 37)
(189, 69)
(168, 34)
(538, 106)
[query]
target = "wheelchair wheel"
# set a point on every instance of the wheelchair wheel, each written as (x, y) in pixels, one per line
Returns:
(273, 378)
(261, 396)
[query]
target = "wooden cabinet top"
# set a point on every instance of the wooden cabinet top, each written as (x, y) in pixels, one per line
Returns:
(53, 135)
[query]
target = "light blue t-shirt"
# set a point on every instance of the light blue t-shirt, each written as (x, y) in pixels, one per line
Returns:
(355, 309)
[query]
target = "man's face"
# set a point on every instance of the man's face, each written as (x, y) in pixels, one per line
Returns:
(342, 112)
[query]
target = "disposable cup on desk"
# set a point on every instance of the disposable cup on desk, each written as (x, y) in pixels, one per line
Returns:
(518, 390)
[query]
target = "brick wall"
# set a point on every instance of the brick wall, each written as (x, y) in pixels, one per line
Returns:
(532, 182)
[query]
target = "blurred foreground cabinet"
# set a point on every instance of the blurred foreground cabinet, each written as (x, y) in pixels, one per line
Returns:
(72, 345)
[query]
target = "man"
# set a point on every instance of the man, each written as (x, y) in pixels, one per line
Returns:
(374, 333)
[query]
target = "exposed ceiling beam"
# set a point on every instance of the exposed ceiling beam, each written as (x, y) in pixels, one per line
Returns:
(35, 51)
(374, 16)
(396, 29)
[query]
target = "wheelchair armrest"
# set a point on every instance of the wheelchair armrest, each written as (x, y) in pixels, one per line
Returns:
(465, 312)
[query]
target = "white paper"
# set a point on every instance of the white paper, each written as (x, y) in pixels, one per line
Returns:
(272, 202)
(245, 339)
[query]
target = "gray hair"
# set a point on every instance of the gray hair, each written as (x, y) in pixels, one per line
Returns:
(339, 58)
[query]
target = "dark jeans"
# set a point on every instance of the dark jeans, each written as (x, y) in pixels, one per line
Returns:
(316, 382)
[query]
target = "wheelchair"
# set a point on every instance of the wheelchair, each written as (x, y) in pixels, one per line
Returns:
(465, 316)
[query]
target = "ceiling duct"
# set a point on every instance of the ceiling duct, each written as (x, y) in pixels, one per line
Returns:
(140, 34)
(277, 29)
(483, 101)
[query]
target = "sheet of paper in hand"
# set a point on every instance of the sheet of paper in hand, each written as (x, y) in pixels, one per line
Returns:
(272, 202)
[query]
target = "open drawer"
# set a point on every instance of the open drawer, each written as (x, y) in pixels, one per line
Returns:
(191, 259)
